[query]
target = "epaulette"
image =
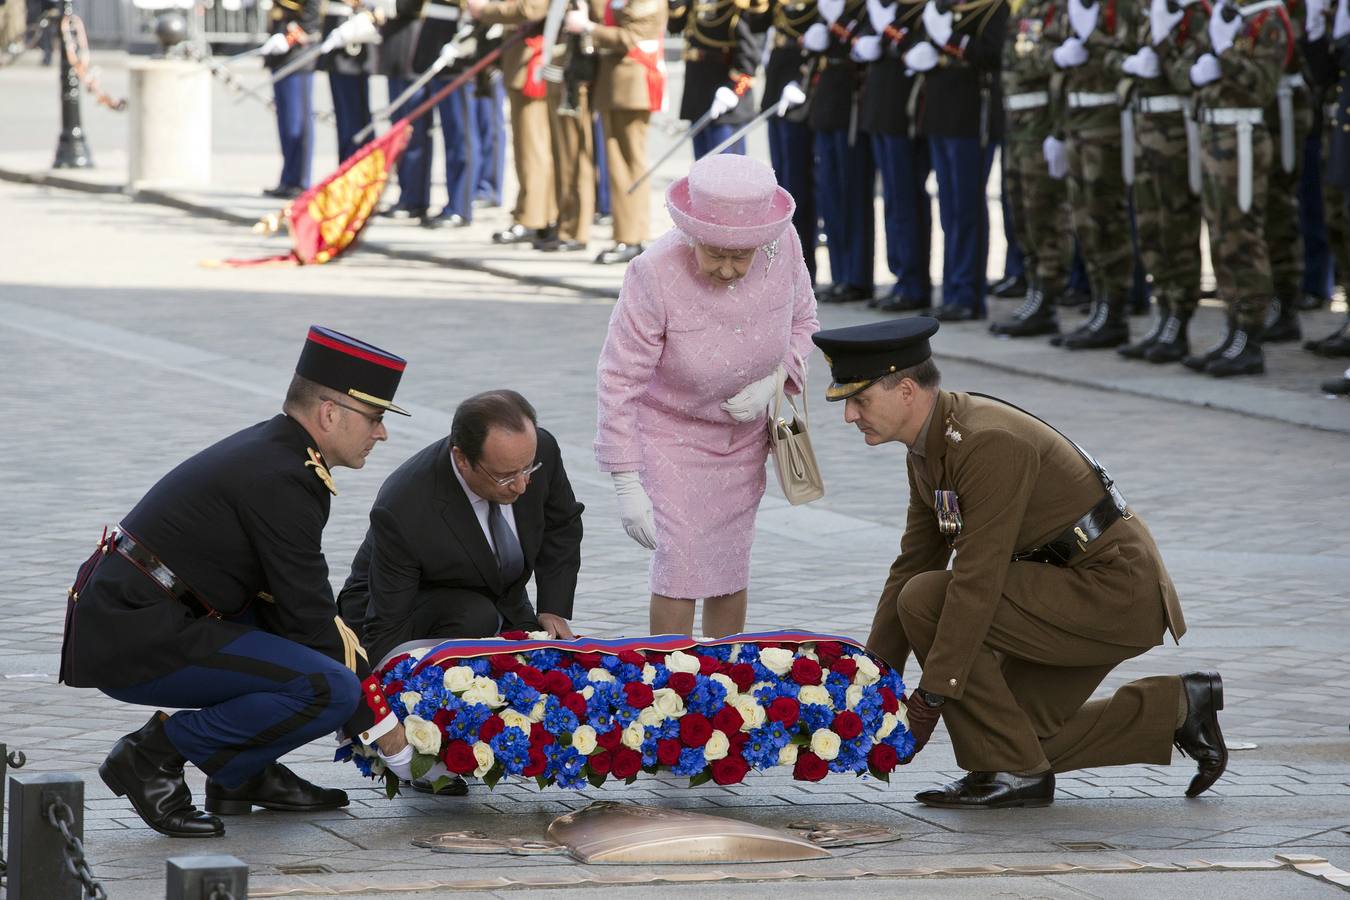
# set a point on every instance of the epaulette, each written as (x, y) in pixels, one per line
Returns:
(320, 469)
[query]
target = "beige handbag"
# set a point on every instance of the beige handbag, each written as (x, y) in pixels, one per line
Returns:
(790, 446)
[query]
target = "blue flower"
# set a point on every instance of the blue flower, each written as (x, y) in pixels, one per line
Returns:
(721, 653)
(478, 666)
(691, 762)
(649, 749)
(816, 716)
(707, 697)
(362, 764)
(512, 749)
(564, 765)
(545, 659)
(558, 719)
(761, 750)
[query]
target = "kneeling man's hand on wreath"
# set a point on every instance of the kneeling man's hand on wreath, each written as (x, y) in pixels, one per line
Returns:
(556, 626)
(924, 710)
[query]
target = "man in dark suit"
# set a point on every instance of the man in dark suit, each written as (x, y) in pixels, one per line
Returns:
(458, 529)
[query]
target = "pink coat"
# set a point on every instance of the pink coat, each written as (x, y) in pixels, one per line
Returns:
(677, 347)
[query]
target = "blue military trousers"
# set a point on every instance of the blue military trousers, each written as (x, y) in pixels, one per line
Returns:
(351, 107)
(792, 154)
(908, 212)
(962, 169)
(294, 96)
(846, 180)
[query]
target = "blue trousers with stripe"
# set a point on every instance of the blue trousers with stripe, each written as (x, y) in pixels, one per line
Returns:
(294, 96)
(351, 107)
(414, 166)
(602, 203)
(714, 134)
(490, 125)
(250, 703)
(792, 155)
(908, 212)
(846, 177)
(459, 134)
(962, 168)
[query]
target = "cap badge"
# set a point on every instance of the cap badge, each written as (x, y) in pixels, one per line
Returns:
(321, 470)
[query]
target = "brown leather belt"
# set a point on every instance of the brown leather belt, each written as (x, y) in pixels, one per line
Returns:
(1073, 541)
(150, 565)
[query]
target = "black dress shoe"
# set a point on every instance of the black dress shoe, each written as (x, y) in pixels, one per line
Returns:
(1309, 302)
(951, 312)
(402, 212)
(1199, 736)
(444, 219)
(823, 291)
(1336, 344)
(619, 253)
(559, 245)
(895, 303)
(1338, 387)
(275, 787)
(456, 788)
(992, 790)
(519, 234)
(145, 768)
(284, 192)
(845, 293)
(1009, 288)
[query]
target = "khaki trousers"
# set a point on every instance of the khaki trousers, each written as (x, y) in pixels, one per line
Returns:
(1026, 699)
(626, 155)
(530, 143)
(573, 165)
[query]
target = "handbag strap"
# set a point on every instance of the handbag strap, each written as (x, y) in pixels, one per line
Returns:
(780, 395)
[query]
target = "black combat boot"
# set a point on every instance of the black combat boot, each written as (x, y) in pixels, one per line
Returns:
(1333, 345)
(1172, 344)
(1139, 349)
(1035, 316)
(1198, 362)
(1281, 323)
(145, 768)
(275, 787)
(1242, 356)
(1106, 327)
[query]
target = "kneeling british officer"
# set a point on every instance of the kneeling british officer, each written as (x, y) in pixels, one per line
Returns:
(212, 596)
(1055, 582)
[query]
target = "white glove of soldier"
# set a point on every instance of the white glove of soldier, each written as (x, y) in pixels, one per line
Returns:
(577, 20)
(817, 38)
(881, 15)
(1341, 26)
(1083, 17)
(1206, 70)
(1224, 24)
(635, 509)
(866, 49)
(921, 57)
(752, 401)
(1161, 19)
(1070, 54)
(830, 10)
(792, 95)
(1315, 21)
(275, 45)
(1143, 63)
(724, 101)
(1056, 154)
(938, 24)
(356, 30)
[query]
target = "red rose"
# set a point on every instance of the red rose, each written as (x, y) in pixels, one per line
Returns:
(536, 764)
(785, 710)
(806, 671)
(611, 739)
(587, 660)
(828, 651)
(491, 728)
(695, 730)
(883, 758)
(627, 763)
(458, 758)
(738, 741)
(531, 676)
(707, 665)
(847, 725)
(730, 769)
(503, 662)
(668, 751)
(556, 682)
(768, 645)
(682, 683)
(393, 689)
(632, 658)
(513, 636)
(656, 657)
(600, 763)
(638, 695)
(575, 702)
(743, 674)
(847, 667)
(442, 718)
(889, 703)
(728, 720)
(809, 767)
(539, 735)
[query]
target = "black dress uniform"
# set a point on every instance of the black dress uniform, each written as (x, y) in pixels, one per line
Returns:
(294, 95)
(212, 596)
(723, 44)
(456, 114)
(348, 69)
(790, 142)
(399, 36)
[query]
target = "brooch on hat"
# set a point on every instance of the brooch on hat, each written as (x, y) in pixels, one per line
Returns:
(321, 470)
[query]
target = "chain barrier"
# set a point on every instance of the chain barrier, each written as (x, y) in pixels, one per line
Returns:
(61, 817)
(220, 892)
(76, 44)
(200, 52)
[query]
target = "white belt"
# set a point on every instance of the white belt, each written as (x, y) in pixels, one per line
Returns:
(651, 46)
(1246, 121)
(1231, 116)
(1032, 100)
(1169, 104)
(1083, 99)
(337, 10)
(441, 11)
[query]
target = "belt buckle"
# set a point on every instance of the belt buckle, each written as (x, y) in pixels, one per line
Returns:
(1083, 539)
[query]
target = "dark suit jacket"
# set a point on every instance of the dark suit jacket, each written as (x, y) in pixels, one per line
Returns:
(424, 538)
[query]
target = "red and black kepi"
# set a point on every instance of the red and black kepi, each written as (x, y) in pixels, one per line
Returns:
(355, 368)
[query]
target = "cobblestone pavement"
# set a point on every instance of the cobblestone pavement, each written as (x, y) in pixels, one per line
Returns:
(122, 356)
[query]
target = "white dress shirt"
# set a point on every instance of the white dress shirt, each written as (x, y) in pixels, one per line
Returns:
(480, 509)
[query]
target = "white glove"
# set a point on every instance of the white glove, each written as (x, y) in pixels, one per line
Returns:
(1143, 63)
(938, 24)
(358, 29)
(752, 401)
(866, 49)
(921, 57)
(1083, 17)
(792, 95)
(449, 53)
(1223, 30)
(1056, 154)
(275, 45)
(830, 10)
(635, 509)
(577, 21)
(880, 15)
(1315, 20)
(1070, 54)
(817, 38)
(1206, 70)
(724, 101)
(1161, 19)
(1341, 26)
(400, 763)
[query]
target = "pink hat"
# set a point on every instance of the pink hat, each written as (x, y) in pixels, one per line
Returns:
(730, 201)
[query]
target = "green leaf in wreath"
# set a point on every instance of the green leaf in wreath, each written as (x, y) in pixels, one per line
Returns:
(391, 785)
(801, 740)
(701, 778)
(494, 775)
(440, 784)
(421, 764)
(630, 779)
(595, 778)
(880, 776)
(542, 780)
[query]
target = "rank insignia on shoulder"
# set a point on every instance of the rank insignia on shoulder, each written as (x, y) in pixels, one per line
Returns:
(321, 470)
(952, 434)
(948, 513)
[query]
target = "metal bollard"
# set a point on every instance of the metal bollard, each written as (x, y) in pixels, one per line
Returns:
(7, 759)
(217, 877)
(45, 864)
(72, 151)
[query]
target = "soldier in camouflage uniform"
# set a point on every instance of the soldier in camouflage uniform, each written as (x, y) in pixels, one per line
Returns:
(1166, 191)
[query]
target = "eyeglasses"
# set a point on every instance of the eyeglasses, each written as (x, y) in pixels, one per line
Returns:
(509, 479)
(375, 419)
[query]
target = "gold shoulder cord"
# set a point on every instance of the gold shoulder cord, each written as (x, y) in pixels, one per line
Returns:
(351, 644)
(694, 25)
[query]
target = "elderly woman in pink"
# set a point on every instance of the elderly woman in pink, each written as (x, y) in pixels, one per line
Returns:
(712, 318)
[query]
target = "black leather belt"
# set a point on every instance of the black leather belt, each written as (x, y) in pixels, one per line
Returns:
(1074, 540)
(150, 565)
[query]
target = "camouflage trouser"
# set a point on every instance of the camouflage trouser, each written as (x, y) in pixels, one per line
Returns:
(1166, 212)
(1237, 240)
(1284, 237)
(1040, 209)
(1101, 213)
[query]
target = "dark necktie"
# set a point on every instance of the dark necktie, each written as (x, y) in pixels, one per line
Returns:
(510, 558)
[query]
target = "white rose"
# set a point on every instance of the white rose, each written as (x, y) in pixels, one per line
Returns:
(717, 747)
(668, 703)
(853, 696)
(726, 682)
(776, 659)
(410, 699)
(648, 674)
(538, 635)
(424, 736)
(903, 716)
(788, 755)
(588, 692)
(583, 740)
(598, 674)
(868, 673)
(513, 719)
(809, 651)
(683, 662)
(458, 679)
(888, 723)
(735, 652)
(634, 735)
(825, 744)
(751, 712)
(537, 714)
(484, 690)
(814, 693)
(651, 717)
(483, 753)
